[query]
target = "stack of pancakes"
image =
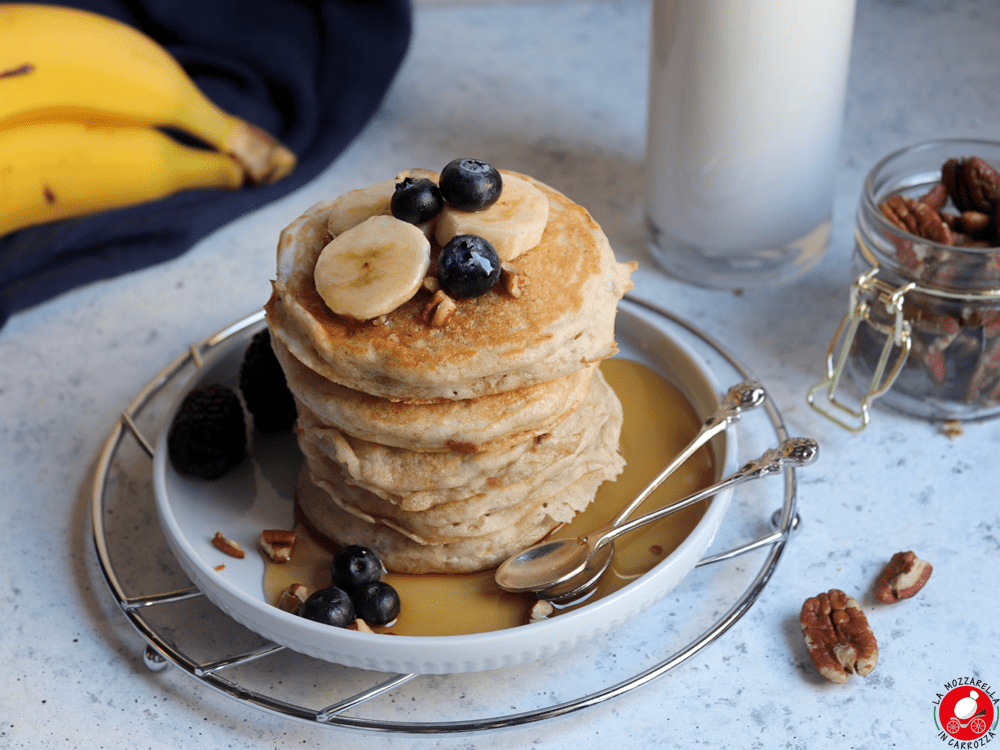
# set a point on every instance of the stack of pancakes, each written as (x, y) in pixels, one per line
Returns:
(448, 448)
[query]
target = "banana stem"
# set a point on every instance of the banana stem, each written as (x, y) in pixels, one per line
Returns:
(263, 159)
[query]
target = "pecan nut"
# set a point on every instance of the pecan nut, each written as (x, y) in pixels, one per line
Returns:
(972, 184)
(541, 610)
(360, 626)
(292, 598)
(917, 218)
(512, 279)
(903, 577)
(936, 197)
(837, 636)
(228, 546)
(976, 224)
(439, 309)
(277, 544)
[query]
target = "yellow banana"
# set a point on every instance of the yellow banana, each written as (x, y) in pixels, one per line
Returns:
(60, 63)
(63, 170)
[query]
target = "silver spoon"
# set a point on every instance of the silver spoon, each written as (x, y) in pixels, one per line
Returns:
(561, 569)
(739, 398)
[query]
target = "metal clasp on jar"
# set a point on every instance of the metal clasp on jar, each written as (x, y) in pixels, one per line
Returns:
(881, 306)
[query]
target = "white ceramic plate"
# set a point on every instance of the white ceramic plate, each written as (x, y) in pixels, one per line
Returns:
(259, 495)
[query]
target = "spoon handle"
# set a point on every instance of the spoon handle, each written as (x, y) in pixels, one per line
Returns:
(791, 453)
(739, 398)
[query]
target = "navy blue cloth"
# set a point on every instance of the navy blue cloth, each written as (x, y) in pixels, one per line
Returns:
(310, 72)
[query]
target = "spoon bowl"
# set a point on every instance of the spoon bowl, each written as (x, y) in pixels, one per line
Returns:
(583, 582)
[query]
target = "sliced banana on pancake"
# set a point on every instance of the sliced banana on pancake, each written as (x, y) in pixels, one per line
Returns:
(356, 206)
(513, 225)
(372, 268)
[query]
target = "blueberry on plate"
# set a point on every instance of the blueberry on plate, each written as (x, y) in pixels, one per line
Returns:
(377, 603)
(355, 566)
(468, 266)
(470, 184)
(416, 200)
(329, 606)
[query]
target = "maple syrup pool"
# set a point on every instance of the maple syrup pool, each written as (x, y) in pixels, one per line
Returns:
(659, 423)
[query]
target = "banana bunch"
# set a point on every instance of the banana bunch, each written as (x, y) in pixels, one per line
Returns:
(83, 99)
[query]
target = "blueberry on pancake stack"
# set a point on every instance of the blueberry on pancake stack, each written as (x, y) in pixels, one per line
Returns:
(441, 335)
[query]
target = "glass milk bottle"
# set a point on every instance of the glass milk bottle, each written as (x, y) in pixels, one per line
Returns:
(745, 112)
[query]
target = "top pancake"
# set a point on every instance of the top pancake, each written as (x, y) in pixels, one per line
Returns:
(562, 322)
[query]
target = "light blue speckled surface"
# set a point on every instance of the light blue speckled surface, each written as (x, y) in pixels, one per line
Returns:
(557, 90)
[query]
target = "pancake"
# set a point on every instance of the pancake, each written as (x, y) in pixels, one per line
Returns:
(469, 426)
(563, 321)
(483, 513)
(402, 554)
(416, 482)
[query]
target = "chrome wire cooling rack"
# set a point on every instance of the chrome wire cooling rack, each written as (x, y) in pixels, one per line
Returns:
(182, 628)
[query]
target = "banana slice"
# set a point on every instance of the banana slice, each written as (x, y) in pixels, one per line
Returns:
(513, 225)
(356, 206)
(372, 268)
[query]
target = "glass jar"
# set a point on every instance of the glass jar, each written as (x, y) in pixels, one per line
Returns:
(922, 332)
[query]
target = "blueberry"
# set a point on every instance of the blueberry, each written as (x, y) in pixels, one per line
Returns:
(377, 603)
(330, 606)
(468, 266)
(416, 201)
(470, 184)
(355, 566)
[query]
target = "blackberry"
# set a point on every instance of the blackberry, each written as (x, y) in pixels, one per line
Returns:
(262, 383)
(208, 435)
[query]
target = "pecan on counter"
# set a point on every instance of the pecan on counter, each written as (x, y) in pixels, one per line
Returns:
(837, 636)
(903, 577)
